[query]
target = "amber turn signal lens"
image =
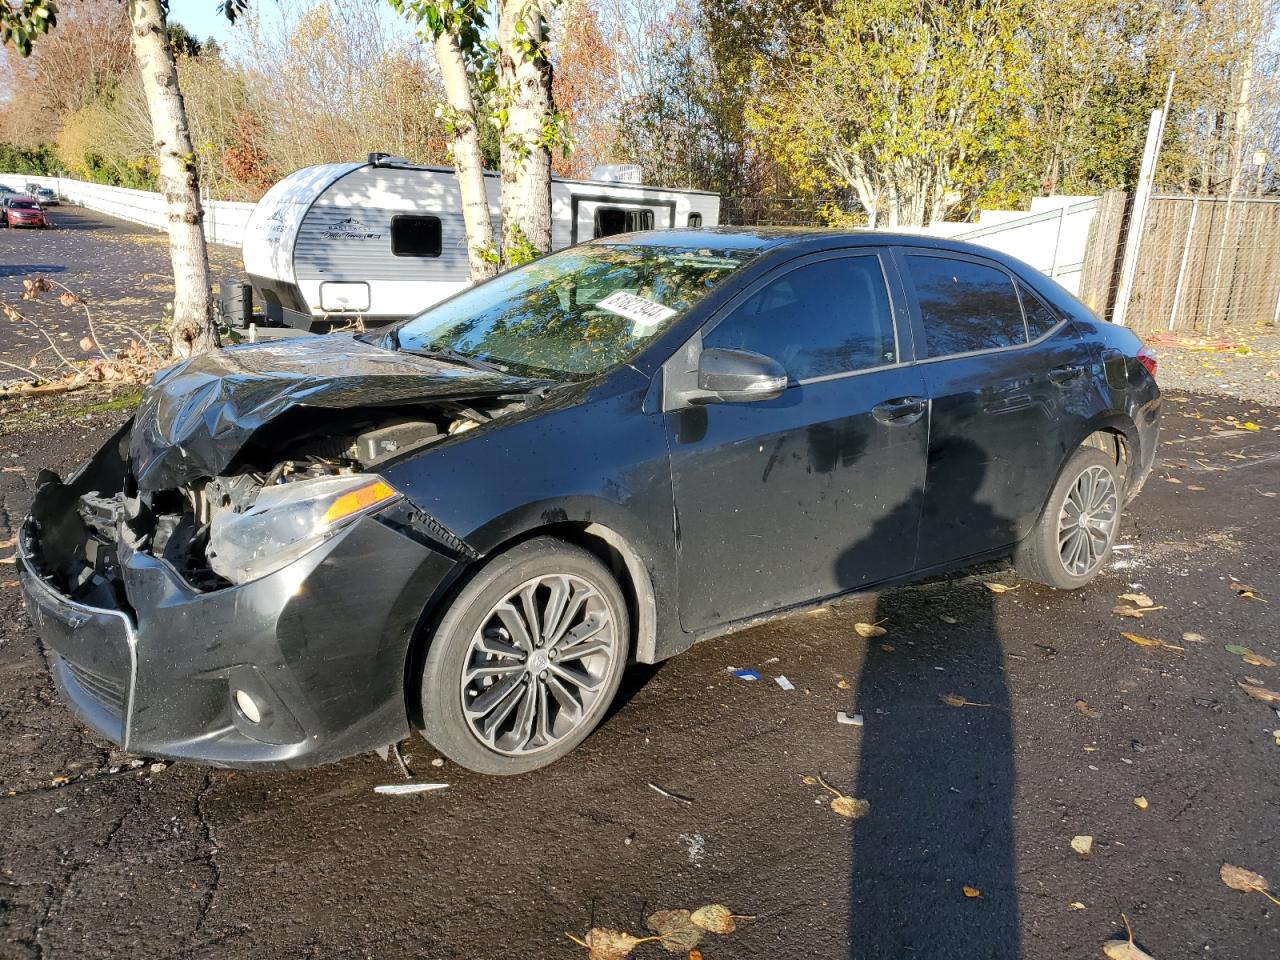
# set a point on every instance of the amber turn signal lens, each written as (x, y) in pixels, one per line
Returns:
(359, 499)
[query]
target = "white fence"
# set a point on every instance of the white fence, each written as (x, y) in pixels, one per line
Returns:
(224, 220)
(1052, 237)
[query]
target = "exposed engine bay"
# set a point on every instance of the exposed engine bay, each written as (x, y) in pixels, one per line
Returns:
(327, 452)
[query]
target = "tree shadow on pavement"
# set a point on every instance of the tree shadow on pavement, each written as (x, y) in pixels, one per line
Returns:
(940, 779)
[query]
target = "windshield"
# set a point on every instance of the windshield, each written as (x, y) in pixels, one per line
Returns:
(576, 313)
(23, 205)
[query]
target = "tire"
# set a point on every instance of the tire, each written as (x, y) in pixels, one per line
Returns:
(515, 711)
(1052, 553)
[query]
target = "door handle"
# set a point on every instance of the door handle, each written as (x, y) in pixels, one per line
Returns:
(1066, 373)
(901, 410)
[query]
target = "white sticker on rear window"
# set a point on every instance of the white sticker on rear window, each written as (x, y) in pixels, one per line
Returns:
(646, 314)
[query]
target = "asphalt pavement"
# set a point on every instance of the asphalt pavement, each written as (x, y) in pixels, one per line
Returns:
(701, 788)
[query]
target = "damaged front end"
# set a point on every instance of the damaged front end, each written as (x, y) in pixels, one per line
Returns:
(230, 578)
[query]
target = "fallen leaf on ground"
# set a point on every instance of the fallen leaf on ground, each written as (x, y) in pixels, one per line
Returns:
(888, 647)
(1259, 692)
(1238, 878)
(1077, 905)
(999, 587)
(842, 684)
(971, 892)
(606, 944)
(1249, 657)
(1141, 803)
(1249, 425)
(1125, 949)
(1082, 845)
(1193, 637)
(8, 584)
(1082, 706)
(1172, 480)
(1246, 591)
(955, 700)
(1149, 642)
(846, 806)
(945, 619)
(869, 630)
(1138, 599)
(1137, 613)
(6, 544)
(717, 918)
(695, 954)
(675, 929)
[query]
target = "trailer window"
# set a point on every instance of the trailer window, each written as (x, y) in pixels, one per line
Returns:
(415, 236)
(695, 219)
(611, 220)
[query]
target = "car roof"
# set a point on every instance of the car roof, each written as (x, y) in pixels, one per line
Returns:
(798, 240)
(20, 196)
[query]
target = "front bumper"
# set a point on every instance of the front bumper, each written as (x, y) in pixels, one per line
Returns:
(321, 645)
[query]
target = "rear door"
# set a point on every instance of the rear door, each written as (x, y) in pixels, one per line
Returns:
(817, 491)
(1008, 385)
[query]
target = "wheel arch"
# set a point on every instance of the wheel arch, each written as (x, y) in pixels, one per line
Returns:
(611, 539)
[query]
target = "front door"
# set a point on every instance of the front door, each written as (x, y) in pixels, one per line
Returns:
(818, 491)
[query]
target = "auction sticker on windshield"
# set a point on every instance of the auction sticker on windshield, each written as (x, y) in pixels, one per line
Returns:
(646, 314)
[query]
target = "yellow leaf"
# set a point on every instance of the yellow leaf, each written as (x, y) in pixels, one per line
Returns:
(1138, 599)
(842, 684)
(1193, 637)
(1257, 659)
(869, 630)
(1259, 692)
(606, 944)
(850, 807)
(676, 930)
(1124, 950)
(717, 918)
(1249, 425)
(1246, 881)
(1141, 803)
(999, 587)
(1082, 845)
(971, 892)
(1077, 905)
(1149, 642)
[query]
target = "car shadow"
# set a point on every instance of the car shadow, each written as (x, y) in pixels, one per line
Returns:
(939, 778)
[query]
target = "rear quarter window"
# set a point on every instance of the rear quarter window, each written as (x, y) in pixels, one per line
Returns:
(965, 306)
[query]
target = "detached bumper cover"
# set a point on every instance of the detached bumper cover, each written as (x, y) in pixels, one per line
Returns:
(321, 645)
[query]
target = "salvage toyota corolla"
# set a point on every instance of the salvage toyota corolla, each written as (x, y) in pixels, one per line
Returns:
(468, 524)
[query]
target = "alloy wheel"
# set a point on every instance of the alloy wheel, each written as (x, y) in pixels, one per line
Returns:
(538, 663)
(1087, 521)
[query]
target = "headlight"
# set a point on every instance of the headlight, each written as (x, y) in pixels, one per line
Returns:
(288, 520)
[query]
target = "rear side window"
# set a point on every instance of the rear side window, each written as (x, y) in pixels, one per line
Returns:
(611, 220)
(413, 236)
(1040, 316)
(828, 317)
(965, 306)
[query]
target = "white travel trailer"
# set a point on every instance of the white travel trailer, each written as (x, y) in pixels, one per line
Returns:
(384, 239)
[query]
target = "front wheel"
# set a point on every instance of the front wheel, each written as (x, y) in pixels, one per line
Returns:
(526, 659)
(1072, 540)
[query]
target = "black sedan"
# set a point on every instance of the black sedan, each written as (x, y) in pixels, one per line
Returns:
(470, 524)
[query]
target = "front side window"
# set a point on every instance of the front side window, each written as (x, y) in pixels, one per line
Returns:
(575, 313)
(965, 306)
(823, 318)
(613, 220)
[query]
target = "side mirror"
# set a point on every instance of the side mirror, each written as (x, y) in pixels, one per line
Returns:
(737, 376)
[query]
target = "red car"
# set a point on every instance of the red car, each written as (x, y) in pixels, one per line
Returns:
(20, 211)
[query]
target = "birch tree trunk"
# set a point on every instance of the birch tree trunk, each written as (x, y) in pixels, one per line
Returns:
(193, 329)
(524, 89)
(468, 162)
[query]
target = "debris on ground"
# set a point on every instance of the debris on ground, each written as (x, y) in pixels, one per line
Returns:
(1125, 949)
(746, 674)
(1259, 692)
(854, 720)
(955, 700)
(1141, 803)
(1151, 642)
(784, 683)
(671, 796)
(1249, 657)
(869, 630)
(607, 944)
(675, 929)
(849, 807)
(396, 789)
(1082, 844)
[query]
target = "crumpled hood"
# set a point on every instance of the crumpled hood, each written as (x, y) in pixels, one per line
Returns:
(196, 415)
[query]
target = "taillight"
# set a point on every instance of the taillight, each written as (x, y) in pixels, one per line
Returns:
(1147, 357)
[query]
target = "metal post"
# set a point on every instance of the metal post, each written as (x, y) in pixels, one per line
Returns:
(1182, 267)
(1141, 201)
(1057, 243)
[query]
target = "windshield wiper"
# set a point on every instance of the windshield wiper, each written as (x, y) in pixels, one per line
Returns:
(438, 351)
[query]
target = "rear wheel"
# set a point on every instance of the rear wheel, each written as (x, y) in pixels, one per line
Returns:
(1072, 540)
(526, 659)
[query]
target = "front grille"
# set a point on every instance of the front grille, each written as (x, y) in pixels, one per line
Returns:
(110, 693)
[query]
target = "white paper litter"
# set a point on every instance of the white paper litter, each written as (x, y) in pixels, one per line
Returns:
(852, 721)
(784, 683)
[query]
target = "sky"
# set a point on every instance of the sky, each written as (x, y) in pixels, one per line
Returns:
(201, 18)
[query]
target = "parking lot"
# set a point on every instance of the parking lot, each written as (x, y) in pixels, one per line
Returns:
(694, 790)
